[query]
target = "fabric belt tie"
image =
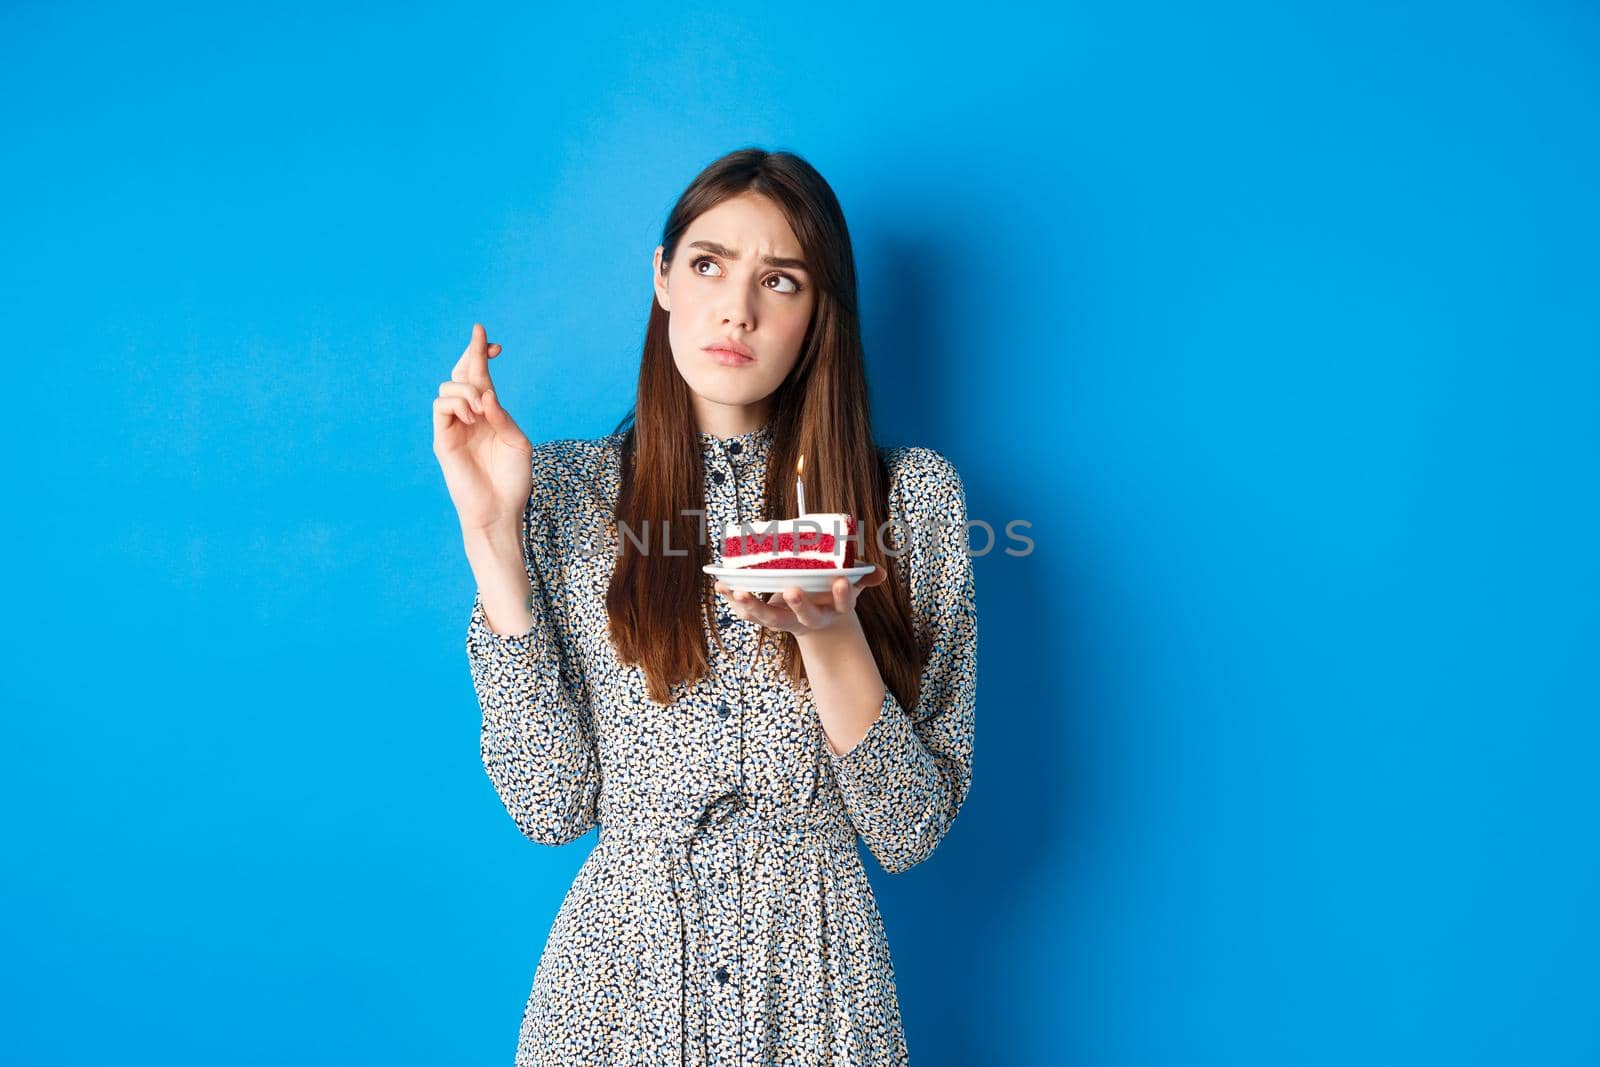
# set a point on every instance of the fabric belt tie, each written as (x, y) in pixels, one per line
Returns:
(731, 817)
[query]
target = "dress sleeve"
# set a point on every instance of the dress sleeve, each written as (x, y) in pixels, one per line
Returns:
(906, 779)
(537, 740)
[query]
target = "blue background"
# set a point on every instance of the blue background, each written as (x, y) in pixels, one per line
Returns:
(1279, 326)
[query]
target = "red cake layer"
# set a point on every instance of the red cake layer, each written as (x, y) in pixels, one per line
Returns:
(799, 563)
(802, 540)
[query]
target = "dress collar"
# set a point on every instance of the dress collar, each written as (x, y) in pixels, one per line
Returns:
(746, 447)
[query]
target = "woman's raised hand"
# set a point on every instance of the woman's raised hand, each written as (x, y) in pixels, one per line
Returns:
(486, 459)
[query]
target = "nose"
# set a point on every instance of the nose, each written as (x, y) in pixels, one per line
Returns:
(738, 309)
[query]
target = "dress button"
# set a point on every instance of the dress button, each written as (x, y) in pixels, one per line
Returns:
(736, 447)
(723, 711)
(717, 476)
(722, 975)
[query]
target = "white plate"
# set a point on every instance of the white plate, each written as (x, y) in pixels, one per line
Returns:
(810, 579)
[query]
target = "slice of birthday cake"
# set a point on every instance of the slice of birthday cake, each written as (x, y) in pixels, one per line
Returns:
(817, 541)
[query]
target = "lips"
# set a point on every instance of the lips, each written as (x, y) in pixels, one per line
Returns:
(736, 347)
(728, 359)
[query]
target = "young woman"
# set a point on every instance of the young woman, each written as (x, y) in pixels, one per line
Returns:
(731, 749)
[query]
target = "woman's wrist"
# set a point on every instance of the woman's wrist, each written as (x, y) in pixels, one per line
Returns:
(846, 685)
(500, 569)
(845, 632)
(493, 544)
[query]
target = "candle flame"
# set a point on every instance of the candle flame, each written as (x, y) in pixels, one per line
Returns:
(800, 467)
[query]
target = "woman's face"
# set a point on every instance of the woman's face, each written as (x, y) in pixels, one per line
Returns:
(721, 288)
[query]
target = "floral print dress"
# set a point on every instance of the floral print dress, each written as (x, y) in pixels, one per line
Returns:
(724, 915)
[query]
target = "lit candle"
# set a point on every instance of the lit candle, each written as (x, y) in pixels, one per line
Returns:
(799, 483)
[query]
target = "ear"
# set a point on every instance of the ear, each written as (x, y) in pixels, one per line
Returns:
(659, 280)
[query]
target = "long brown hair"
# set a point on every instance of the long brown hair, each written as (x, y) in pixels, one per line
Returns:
(820, 409)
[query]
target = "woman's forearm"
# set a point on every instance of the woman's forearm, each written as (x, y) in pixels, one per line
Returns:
(846, 685)
(501, 573)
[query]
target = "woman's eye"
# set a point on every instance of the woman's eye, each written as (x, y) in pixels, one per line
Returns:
(694, 265)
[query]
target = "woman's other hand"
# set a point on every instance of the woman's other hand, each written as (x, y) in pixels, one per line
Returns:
(800, 613)
(485, 458)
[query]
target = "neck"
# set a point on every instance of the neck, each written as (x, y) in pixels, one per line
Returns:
(730, 420)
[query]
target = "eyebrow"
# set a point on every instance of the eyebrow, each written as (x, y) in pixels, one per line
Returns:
(728, 253)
